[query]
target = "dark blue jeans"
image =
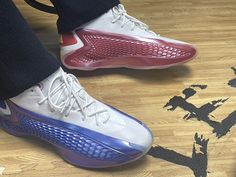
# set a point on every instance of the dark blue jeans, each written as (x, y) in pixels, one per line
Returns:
(24, 62)
(73, 13)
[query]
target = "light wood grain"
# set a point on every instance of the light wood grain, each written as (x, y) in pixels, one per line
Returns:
(211, 26)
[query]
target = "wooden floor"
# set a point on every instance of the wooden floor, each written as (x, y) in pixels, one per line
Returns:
(195, 134)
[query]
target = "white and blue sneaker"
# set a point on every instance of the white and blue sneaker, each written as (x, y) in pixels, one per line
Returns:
(84, 131)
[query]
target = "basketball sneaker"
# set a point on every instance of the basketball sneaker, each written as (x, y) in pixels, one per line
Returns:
(117, 39)
(84, 131)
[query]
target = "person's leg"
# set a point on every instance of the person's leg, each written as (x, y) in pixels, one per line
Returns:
(23, 60)
(73, 13)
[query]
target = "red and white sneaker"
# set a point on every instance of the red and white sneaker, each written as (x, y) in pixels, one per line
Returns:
(116, 39)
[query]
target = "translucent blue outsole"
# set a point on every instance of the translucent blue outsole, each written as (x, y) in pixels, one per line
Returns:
(74, 147)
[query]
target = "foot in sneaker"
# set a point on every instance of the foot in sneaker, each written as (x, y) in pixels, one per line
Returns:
(118, 40)
(84, 131)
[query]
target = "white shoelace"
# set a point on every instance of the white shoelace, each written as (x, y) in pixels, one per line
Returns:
(75, 95)
(121, 13)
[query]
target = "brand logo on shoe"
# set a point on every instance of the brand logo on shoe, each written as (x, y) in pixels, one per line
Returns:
(3, 105)
(4, 109)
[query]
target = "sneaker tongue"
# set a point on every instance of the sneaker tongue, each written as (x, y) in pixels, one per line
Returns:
(140, 30)
(59, 97)
(45, 84)
(119, 8)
